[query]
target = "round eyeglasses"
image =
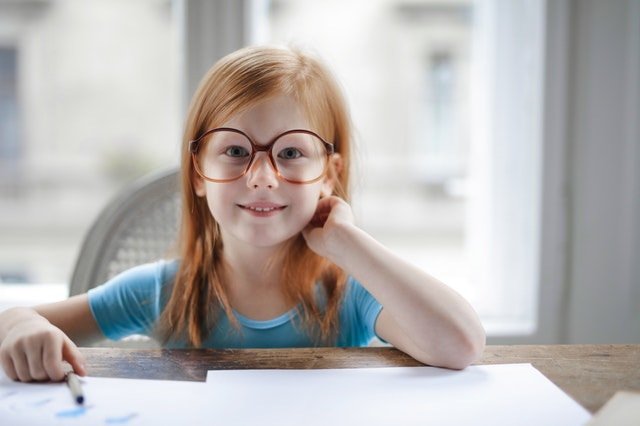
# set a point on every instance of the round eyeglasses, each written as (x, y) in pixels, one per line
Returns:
(225, 154)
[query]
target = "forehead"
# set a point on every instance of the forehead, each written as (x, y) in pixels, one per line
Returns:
(269, 118)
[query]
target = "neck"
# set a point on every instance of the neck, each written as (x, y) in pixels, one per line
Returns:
(257, 267)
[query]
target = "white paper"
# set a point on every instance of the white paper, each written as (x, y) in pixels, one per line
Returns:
(108, 401)
(493, 394)
(507, 394)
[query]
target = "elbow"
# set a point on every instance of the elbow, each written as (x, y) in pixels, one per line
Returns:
(469, 349)
(469, 340)
(461, 349)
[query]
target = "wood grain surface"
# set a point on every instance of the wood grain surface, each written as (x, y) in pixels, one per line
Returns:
(590, 374)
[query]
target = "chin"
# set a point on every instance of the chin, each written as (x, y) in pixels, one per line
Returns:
(271, 240)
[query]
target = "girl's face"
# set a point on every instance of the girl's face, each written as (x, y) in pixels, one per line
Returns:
(260, 209)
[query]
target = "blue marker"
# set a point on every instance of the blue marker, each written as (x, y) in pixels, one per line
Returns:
(74, 386)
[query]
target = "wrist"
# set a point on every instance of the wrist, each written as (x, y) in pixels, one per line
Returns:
(16, 316)
(342, 241)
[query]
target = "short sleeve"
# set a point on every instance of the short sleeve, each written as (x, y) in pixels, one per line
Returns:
(358, 317)
(131, 302)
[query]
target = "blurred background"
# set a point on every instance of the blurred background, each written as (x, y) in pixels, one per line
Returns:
(497, 141)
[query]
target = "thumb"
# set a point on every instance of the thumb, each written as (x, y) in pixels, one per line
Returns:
(310, 232)
(73, 356)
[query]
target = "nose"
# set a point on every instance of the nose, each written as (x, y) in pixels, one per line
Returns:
(261, 173)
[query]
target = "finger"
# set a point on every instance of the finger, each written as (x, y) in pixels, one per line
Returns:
(309, 232)
(36, 370)
(52, 360)
(73, 356)
(335, 205)
(326, 204)
(313, 238)
(323, 211)
(21, 365)
(319, 219)
(7, 365)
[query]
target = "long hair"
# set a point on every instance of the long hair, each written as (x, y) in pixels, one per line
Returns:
(234, 84)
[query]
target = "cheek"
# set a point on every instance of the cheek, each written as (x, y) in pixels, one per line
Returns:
(308, 204)
(217, 199)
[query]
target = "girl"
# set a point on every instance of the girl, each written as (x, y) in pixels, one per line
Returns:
(269, 252)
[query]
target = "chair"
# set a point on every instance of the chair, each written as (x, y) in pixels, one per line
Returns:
(139, 226)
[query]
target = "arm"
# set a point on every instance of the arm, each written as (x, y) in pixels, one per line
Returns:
(35, 341)
(421, 316)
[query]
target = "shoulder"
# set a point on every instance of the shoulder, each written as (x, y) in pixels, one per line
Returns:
(356, 299)
(359, 302)
(147, 278)
(160, 273)
(358, 314)
(130, 302)
(354, 290)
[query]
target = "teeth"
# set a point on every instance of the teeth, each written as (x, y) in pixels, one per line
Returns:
(262, 209)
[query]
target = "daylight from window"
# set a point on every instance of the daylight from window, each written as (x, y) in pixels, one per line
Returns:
(89, 95)
(90, 100)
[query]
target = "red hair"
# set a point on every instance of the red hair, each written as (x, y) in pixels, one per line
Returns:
(234, 84)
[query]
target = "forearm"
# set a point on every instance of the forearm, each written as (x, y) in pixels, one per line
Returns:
(73, 316)
(437, 320)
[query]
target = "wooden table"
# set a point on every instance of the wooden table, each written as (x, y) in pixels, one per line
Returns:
(590, 374)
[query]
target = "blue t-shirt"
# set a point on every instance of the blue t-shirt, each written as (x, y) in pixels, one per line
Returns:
(132, 302)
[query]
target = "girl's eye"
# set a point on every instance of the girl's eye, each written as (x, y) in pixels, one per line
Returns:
(289, 153)
(236, 151)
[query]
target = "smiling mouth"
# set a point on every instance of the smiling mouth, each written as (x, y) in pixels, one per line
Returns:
(263, 209)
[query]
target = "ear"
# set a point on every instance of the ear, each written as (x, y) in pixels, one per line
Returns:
(198, 184)
(330, 180)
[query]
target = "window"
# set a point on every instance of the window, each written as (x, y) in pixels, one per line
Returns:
(445, 98)
(89, 100)
(10, 152)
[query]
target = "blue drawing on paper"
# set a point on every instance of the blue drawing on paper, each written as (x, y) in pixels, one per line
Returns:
(121, 419)
(73, 412)
(40, 403)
